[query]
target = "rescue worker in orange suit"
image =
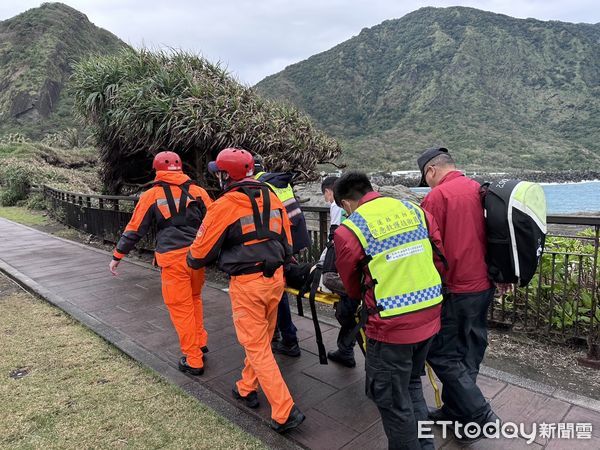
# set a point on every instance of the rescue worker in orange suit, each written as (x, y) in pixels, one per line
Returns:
(248, 231)
(177, 206)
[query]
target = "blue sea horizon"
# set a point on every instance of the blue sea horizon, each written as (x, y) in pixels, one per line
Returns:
(566, 198)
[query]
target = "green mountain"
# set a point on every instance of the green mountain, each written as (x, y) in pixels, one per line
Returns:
(499, 92)
(37, 49)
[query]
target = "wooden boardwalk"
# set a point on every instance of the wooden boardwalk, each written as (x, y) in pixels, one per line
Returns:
(128, 311)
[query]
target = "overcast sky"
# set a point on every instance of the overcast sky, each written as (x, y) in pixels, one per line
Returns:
(256, 38)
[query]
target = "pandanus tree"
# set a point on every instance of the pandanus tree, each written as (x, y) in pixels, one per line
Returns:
(141, 102)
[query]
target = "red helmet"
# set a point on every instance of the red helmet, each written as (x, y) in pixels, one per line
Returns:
(238, 163)
(167, 161)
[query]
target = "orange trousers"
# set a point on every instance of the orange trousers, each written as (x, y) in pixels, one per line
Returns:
(254, 301)
(182, 290)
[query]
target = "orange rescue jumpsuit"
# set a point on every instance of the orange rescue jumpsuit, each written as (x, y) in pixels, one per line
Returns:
(181, 285)
(231, 233)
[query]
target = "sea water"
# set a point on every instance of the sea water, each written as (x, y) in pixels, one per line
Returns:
(566, 198)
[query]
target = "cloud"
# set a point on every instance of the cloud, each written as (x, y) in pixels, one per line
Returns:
(257, 38)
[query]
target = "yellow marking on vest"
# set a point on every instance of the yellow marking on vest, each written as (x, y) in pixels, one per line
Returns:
(393, 224)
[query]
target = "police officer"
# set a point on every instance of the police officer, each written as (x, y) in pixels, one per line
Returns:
(385, 256)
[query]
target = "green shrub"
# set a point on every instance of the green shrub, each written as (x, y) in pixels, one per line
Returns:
(8, 198)
(16, 180)
(560, 294)
(36, 201)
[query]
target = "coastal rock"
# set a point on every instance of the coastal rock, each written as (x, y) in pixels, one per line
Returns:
(310, 193)
(400, 192)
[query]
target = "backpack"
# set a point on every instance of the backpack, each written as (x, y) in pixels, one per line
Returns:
(515, 218)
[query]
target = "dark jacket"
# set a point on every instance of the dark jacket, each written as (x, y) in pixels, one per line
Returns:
(300, 236)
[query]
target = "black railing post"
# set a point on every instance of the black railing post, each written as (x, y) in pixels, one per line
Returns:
(594, 336)
(323, 230)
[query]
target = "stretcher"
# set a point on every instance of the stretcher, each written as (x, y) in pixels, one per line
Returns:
(330, 299)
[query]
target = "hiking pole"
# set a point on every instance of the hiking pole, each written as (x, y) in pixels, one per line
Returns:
(434, 385)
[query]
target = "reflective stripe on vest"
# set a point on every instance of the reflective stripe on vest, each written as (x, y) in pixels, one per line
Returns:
(394, 235)
(248, 220)
(285, 194)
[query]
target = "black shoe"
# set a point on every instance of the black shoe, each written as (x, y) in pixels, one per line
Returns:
(204, 349)
(490, 418)
(285, 349)
(336, 356)
(251, 399)
(437, 414)
(185, 367)
(295, 418)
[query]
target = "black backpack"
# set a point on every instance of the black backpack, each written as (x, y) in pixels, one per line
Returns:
(515, 218)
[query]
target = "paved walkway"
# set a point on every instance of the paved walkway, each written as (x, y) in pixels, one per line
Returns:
(128, 311)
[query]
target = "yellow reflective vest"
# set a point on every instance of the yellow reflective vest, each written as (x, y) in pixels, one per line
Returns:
(285, 194)
(395, 238)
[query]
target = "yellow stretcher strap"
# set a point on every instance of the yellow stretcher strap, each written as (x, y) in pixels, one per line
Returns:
(321, 297)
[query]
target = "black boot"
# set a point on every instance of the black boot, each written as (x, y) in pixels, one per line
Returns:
(437, 414)
(338, 357)
(286, 349)
(251, 399)
(186, 368)
(295, 418)
(490, 418)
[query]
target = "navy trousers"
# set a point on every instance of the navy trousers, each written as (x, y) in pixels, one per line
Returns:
(284, 322)
(393, 382)
(457, 351)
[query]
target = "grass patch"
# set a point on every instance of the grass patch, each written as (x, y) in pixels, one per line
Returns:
(23, 215)
(61, 386)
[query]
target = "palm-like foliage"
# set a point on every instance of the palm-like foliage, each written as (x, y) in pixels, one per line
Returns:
(143, 102)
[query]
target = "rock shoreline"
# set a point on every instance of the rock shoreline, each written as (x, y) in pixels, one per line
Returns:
(397, 186)
(571, 176)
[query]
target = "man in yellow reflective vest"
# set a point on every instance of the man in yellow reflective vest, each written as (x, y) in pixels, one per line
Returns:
(385, 255)
(286, 339)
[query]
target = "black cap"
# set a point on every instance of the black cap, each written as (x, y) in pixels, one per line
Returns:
(427, 156)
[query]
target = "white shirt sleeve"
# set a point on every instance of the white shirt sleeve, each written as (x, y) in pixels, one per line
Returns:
(335, 212)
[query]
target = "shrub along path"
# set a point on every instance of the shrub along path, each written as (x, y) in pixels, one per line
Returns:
(128, 311)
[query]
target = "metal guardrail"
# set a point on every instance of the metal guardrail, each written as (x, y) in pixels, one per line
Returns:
(561, 302)
(104, 216)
